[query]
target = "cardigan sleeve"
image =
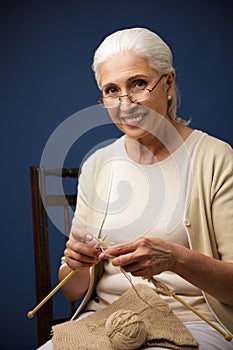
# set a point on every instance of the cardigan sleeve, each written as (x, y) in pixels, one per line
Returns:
(222, 201)
(210, 205)
(209, 213)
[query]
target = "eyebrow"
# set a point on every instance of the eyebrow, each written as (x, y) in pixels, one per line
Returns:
(137, 76)
(129, 80)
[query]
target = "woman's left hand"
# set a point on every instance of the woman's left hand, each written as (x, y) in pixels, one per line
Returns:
(143, 257)
(148, 257)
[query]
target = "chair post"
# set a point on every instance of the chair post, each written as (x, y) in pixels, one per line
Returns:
(41, 253)
(67, 232)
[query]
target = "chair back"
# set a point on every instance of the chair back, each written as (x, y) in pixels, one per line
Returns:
(41, 200)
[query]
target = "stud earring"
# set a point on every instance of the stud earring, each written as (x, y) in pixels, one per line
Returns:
(169, 97)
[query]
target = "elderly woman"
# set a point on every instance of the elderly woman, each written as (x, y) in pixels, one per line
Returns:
(162, 195)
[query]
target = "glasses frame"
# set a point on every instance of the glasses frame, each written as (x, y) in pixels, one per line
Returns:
(101, 98)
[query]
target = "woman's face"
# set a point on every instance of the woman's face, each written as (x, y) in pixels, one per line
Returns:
(124, 72)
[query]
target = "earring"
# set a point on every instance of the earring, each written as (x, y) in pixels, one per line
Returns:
(169, 98)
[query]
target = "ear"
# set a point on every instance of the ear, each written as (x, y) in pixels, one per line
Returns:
(170, 84)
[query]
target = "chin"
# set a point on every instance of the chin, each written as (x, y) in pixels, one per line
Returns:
(134, 133)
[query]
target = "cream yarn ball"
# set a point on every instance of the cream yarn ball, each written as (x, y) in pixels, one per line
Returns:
(126, 330)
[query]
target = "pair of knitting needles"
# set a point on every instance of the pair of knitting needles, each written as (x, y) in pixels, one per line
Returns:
(160, 286)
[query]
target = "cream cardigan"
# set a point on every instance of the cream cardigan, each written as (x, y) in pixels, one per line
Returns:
(209, 214)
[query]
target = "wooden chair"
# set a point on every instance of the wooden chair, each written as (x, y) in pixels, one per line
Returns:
(45, 315)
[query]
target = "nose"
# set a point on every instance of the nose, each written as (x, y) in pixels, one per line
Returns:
(126, 104)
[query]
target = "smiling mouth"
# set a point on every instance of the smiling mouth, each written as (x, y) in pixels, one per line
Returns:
(134, 120)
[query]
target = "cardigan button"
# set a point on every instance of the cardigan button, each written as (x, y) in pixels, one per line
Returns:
(187, 223)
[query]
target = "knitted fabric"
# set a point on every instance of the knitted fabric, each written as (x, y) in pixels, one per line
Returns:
(164, 329)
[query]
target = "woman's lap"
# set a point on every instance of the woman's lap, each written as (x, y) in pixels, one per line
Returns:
(47, 346)
(207, 337)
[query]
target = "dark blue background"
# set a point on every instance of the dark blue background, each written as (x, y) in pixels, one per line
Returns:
(45, 76)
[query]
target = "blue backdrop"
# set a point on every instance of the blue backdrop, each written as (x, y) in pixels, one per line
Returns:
(45, 69)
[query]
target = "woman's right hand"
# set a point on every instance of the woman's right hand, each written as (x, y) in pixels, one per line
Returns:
(80, 252)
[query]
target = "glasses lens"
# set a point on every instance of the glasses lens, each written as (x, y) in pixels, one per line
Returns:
(134, 96)
(139, 96)
(108, 102)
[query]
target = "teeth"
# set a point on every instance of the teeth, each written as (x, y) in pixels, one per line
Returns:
(133, 120)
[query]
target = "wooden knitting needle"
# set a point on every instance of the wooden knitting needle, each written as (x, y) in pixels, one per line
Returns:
(227, 336)
(101, 244)
(31, 313)
(168, 291)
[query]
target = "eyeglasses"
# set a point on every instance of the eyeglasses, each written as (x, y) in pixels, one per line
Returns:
(135, 96)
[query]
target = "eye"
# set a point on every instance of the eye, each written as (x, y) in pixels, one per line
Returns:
(111, 90)
(139, 85)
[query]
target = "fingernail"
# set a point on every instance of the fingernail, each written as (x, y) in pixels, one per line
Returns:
(89, 238)
(101, 256)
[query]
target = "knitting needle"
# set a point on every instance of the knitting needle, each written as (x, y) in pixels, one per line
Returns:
(227, 336)
(31, 313)
(169, 292)
(101, 244)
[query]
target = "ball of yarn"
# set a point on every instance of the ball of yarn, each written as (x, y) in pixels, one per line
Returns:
(126, 330)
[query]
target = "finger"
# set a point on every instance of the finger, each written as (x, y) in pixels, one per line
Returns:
(125, 260)
(80, 257)
(74, 248)
(77, 264)
(138, 269)
(141, 273)
(80, 235)
(121, 249)
(83, 259)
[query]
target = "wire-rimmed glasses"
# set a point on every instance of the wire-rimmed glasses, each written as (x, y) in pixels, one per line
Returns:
(134, 95)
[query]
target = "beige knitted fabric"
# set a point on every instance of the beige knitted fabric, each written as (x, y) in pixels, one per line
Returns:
(163, 328)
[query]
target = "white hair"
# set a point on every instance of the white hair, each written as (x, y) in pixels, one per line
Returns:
(145, 43)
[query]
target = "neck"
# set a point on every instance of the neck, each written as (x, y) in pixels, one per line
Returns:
(146, 152)
(155, 148)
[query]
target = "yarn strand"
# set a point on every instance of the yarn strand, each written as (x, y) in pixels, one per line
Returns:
(131, 282)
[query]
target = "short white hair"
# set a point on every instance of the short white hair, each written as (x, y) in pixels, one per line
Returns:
(145, 43)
